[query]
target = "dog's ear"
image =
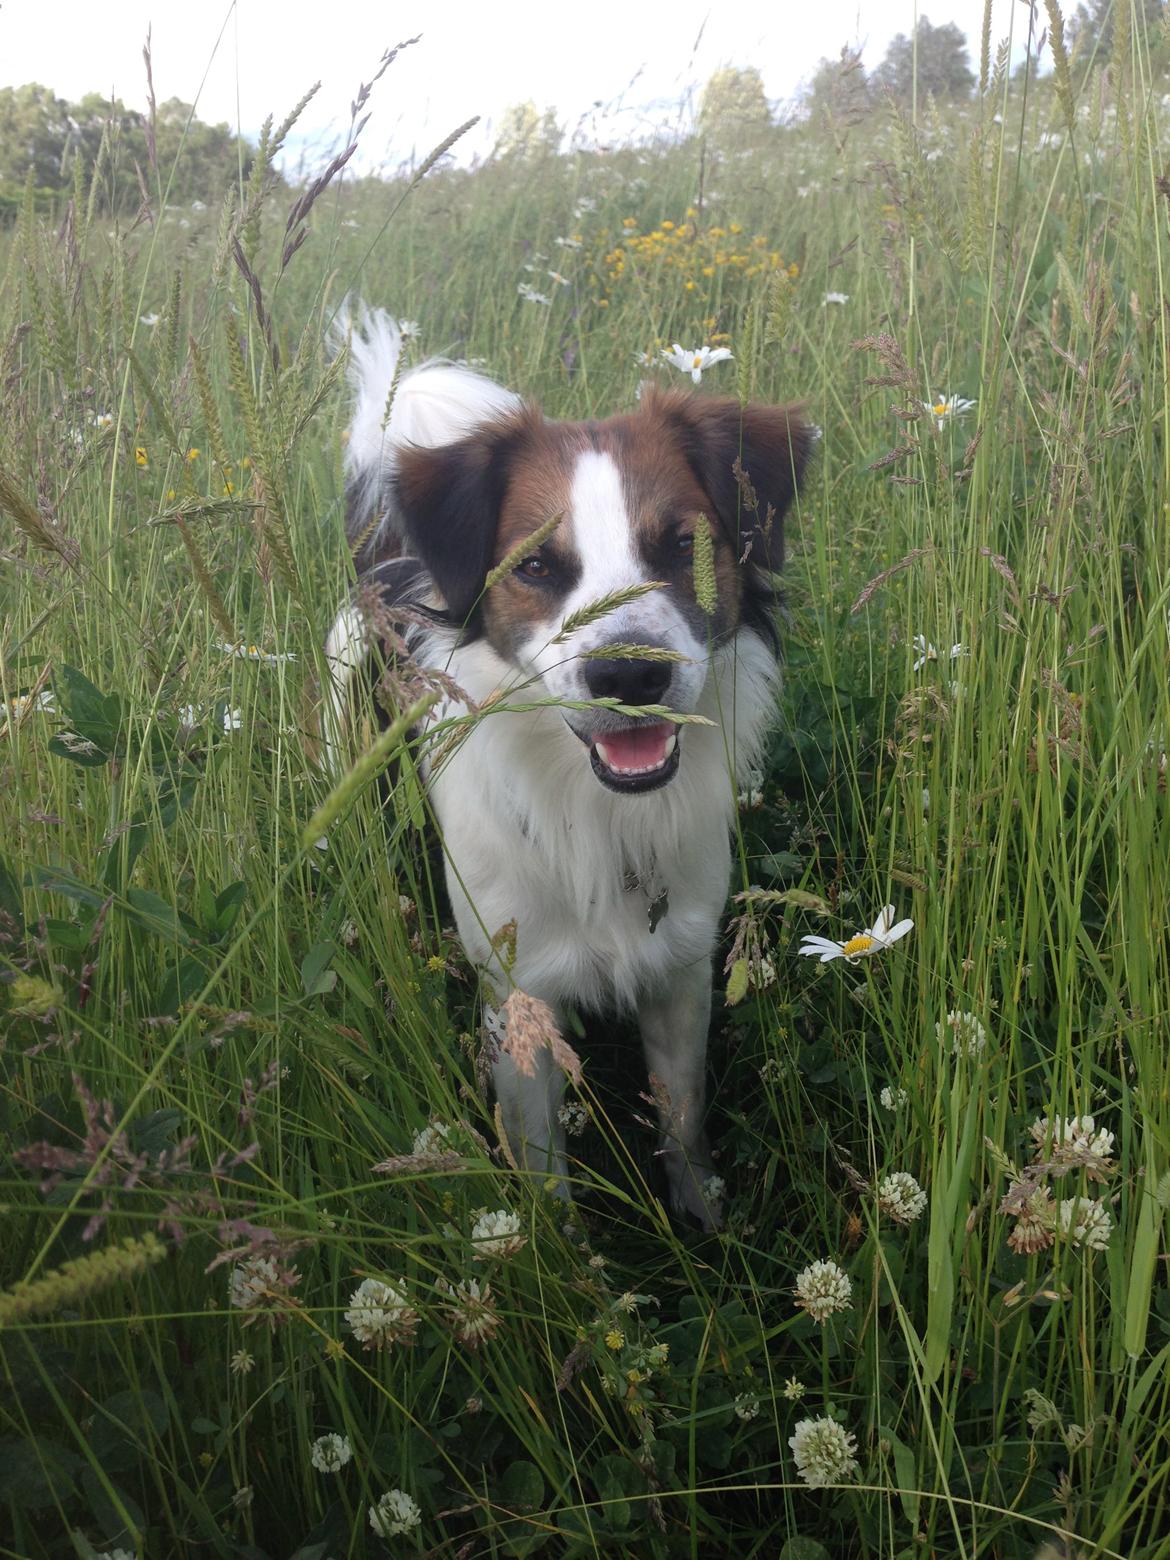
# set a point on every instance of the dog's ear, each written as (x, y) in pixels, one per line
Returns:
(749, 459)
(449, 500)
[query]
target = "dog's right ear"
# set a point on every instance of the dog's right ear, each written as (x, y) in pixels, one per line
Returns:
(449, 498)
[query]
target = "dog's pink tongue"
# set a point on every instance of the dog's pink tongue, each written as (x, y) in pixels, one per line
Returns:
(641, 747)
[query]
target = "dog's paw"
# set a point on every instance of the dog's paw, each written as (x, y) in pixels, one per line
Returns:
(696, 1192)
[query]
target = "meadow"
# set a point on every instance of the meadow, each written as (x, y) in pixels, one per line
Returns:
(240, 1061)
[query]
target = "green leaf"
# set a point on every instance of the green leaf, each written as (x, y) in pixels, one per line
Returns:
(801, 1548)
(521, 1487)
(906, 1472)
(316, 976)
(155, 915)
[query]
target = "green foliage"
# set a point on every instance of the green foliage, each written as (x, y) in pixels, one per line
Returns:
(931, 59)
(244, 1038)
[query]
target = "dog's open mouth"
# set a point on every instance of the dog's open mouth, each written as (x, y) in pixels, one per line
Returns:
(635, 758)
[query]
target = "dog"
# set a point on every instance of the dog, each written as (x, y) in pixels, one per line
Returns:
(602, 835)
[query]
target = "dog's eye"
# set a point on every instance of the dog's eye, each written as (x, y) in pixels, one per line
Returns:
(684, 543)
(534, 568)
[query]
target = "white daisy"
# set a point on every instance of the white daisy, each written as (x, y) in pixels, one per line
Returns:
(862, 945)
(943, 408)
(23, 704)
(330, 1453)
(394, 1513)
(530, 294)
(823, 1288)
(380, 1314)
(694, 362)
(823, 1452)
(245, 652)
(927, 652)
(901, 1197)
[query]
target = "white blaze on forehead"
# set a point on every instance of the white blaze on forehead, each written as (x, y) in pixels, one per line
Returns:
(603, 534)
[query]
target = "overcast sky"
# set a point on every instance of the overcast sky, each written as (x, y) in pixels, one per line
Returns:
(242, 61)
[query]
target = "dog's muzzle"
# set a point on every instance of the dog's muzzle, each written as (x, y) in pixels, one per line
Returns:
(634, 758)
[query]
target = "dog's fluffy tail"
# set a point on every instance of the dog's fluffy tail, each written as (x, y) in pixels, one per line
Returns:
(435, 403)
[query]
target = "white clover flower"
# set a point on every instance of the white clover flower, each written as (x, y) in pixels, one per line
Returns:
(241, 1363)
(530, 294)
(573, 1117)
(694, 362)
(746, 1406)
(394, 1513)
(822, 1288)
(471, 1311)
(1073, 1141)
(901, 1197)
(714, 1188)
(893, 1098)
(244, 652)
(944, 408)
(761, 973)
(434, 1138)
(834, 297)
(330, 1453)
(927, 652)
(250, 1282)
(1087, 1221)
(497, 1235)
(966, 1034)
(410, 330)
(823, 1452)
(880, 935)
(380, 1313)
(793, 1389)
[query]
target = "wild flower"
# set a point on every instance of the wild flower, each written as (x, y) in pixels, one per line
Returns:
(792, 1390)
(394, 1513)
(530, 294)
(823, 1288)
(434, 1138)
(561, 281)
(409, 330)
(470, 1311)
(901, 1197)
(330, 1453)
(22, 705)
(927, 652)
(746, 1406)
(834, 297)
(149, 319)
(714, 1188)
(823, 1452)
(259, 1283)
(497, 1235)
(882, 934)
(245, 652)
(241, 1363)
(893, 1098)
(380, 1314)
(615, 1339)
(944, 408)
(192, 715)
(1070, 1142)
(1086, 1221)
(573, 1117)
(966, 1034)
(694, 362)
(1035, 1216)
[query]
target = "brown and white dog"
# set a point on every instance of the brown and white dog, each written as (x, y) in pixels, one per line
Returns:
(604, 836)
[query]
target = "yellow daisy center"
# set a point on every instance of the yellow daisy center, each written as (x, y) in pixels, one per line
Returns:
(859, 944)
(940, 408)
(698, 361)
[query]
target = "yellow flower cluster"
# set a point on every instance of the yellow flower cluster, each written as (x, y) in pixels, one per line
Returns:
(693, 254)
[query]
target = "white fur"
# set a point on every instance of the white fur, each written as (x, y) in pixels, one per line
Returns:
(529, 831)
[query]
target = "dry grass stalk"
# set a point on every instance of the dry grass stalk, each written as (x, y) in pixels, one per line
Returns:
(530, 1028)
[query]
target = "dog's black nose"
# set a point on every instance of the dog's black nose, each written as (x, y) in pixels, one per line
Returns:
(631, 681)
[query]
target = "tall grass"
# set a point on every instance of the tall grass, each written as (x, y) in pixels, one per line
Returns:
(215, 1029)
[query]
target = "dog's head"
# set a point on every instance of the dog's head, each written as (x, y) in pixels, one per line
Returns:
(631, 492)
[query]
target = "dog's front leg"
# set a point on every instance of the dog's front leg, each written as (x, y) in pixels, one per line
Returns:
(529, 1108)
(674, 1022)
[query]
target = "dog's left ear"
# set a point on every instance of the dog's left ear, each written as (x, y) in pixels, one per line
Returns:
(749, 459)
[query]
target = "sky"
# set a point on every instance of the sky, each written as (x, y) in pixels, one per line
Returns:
(637, 60)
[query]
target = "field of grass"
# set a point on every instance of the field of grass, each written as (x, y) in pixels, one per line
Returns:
(214, 1027)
